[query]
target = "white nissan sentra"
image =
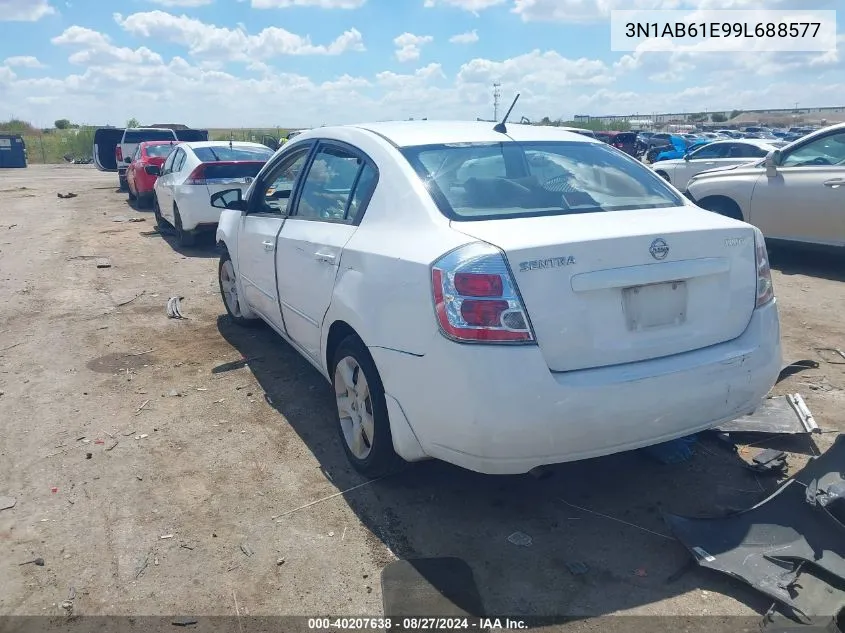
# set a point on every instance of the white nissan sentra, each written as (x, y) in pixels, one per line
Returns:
(500, 301)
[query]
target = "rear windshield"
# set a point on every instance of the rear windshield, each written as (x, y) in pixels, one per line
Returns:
(224, 152)
(160, 151)
(486, 181)
(232, 170)
(138, 136)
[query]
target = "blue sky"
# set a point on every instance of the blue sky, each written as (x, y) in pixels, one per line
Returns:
(237, 63)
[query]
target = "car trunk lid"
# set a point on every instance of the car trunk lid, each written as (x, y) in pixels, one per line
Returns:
(630, 285)
(221, 175)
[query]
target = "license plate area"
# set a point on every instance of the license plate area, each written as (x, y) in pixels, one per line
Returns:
(655, 305)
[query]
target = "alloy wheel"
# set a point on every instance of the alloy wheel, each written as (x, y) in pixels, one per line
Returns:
(354, 407)
(230, 288)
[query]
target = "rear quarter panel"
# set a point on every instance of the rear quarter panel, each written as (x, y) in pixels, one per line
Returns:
(227, 233)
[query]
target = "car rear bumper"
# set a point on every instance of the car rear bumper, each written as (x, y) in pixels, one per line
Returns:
(499, 410)
(195, 208)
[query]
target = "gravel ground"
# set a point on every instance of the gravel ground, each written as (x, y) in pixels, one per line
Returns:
(155, 474)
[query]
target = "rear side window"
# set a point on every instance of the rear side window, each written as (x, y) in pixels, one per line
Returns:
(139, 136)
(485, 181)
(224, 152)
(179, 160)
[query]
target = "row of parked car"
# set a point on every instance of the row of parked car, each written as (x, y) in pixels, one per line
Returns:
(174, 171)
(564, 299)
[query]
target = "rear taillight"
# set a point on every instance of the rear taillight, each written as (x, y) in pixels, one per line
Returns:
(765, 287)
(118, 153)
(197, 177)
(476, 299)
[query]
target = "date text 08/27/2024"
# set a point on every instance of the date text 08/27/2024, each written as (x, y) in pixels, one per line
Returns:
(416, 623)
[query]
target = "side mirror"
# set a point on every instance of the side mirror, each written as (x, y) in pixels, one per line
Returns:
(127, 160)
(229, 199)
(153, 170)
(771, 163)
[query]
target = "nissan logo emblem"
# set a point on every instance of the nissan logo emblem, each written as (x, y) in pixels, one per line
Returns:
(659, 249)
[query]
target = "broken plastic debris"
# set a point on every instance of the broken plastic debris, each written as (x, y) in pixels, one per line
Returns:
(520, 539)
(166, 536)
(702, 555)
(174, 308)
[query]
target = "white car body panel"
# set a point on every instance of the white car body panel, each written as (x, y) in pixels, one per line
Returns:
(589, 386)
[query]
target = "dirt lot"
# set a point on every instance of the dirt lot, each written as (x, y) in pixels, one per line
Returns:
(145, 459)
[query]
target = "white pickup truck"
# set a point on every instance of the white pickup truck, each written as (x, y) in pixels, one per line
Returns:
(114, 147)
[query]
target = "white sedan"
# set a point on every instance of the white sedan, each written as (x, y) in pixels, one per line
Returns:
(191, 173)
(714, 156)
(499, 301)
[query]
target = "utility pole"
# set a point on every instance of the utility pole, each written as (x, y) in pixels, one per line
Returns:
(497, 95)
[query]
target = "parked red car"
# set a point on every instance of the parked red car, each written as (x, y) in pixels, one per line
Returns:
(139, 178)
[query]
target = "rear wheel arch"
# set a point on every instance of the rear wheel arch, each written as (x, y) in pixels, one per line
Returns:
(723, 205)
(663, 175)
(338, 332)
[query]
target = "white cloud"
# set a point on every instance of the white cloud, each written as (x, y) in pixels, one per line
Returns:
(473, 6)
(208, 40)
(24, 10)
(23, 61)
(408, 46)
(546, 70)
(322, 4)
(470, 37)
(182, 3)
(97, 49)
(6, 74)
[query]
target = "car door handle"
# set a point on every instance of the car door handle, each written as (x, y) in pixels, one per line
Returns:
(268, 246)
(835, 183)
(325, 258)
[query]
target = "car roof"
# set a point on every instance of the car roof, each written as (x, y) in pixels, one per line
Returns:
(201, 144)
(410, 133)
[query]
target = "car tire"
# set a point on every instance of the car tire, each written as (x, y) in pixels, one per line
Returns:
(122, 183)
(162, 225)
(132, 196)
(186, 238)
(227, 279)
(365, 437)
